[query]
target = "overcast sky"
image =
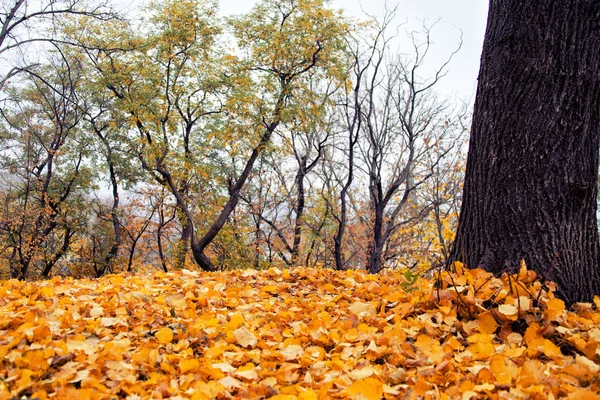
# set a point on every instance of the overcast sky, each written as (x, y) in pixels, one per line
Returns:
(468, 16)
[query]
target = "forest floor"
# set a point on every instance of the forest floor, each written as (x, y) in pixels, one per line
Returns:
(296, 334)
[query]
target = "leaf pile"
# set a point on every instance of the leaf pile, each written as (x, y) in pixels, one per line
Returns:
(296, 334)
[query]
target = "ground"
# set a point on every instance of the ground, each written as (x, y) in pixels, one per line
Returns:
(296, 334)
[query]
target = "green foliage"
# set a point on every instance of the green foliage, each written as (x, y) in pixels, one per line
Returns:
(168, 111)
(411, 281)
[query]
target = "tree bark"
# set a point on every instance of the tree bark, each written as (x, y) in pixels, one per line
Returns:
(300, 203)
(184, 242)
(114, 213)
(532, 167)
(201, 244)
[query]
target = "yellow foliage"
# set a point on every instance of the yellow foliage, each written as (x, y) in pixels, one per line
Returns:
(361, 338)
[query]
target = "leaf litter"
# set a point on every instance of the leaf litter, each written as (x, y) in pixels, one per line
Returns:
(296, 334)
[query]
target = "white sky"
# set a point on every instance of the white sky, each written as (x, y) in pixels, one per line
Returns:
(468, 16)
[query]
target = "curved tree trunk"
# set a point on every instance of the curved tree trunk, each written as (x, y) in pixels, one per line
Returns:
(532, 168)
(200, 245)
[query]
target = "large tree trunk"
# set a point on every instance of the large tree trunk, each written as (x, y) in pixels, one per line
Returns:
(532, 167)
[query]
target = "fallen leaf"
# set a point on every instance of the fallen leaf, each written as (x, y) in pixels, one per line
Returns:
(244, 337)
(164, 335)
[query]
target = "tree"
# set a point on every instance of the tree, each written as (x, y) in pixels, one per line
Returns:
(306, 137)
(288, 43)
(44, 169)
(191, 102)
(26, 22)
(532, 166)
(168, 81)
(106, 125)
(403, 121)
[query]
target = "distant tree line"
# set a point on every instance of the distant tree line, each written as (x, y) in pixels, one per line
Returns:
(287, 136)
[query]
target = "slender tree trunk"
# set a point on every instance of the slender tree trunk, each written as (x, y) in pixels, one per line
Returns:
(532, 168)
(114, 213)
(354, 129)
(161, 224)
(338, 239)
(50, 263)
(131, 254)
(161, 253)
(339, 235)
(376, 243)
(184, 242)
(257, 243)
(300, 203)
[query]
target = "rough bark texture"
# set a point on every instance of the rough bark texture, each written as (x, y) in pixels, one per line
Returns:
(532, 168)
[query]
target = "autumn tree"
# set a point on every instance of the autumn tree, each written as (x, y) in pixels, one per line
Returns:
(168, 82)
(350, 106)
(532, 168)
(401, 122)
(45, 176)
(107, 130)
(286, 44)
(303, 140)
(26, 23)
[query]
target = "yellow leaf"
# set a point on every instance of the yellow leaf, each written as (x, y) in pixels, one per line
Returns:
(584, 394)
(366, 389)
(545, 346)
(487, 323)
(360, 309)
(176, 301)
(46, 291)
(211, 389)
(328, 287)
(587, 363)
(555, 309)
(235, 322)
(224, 366)
(231, 383)
(271, 289)
(482, 346)
(164, 335)
(308, 394)
(188, 365)
(108, 322)
(116, 279)
(292, 352)
(247, 372)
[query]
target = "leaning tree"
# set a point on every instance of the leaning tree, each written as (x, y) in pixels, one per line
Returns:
(532, 167)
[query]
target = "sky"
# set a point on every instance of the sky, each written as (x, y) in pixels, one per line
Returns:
(456, 16)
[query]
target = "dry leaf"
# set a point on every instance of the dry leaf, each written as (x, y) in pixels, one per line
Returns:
(244, 337)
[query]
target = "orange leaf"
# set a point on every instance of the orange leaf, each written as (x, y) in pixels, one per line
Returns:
(555, 308)
(188, 365)
(366, 389)
(164, 335)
